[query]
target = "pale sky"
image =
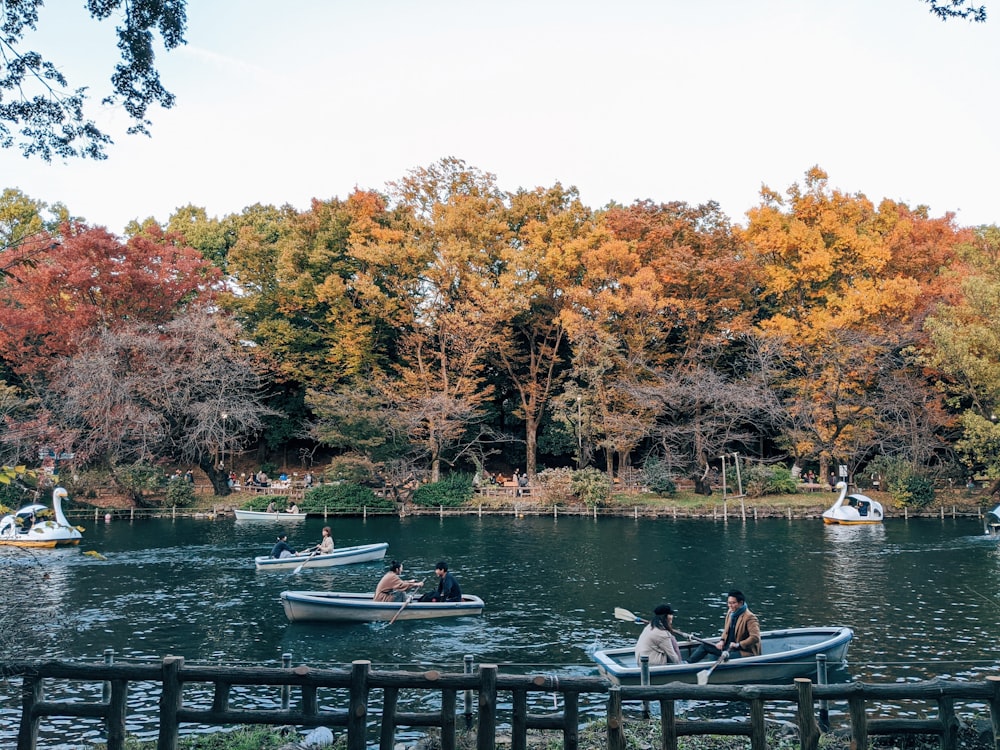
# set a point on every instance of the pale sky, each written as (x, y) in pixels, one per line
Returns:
(278, 103)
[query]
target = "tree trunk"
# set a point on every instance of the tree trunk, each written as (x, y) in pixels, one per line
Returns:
(218, 477)
(531, 446)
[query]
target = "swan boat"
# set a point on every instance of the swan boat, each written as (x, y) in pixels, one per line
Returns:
(785, 655)
(851, 510)
(261, 515)
(336, 606)
(36, 526)
(341, 556)
(993, 522)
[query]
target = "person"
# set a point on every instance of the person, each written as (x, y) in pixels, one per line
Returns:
(325, 546)
(448, 589)
(282, 548)
(392, 588)
(740, 633)
(657, 639)
(307, 480)
(293, 508)
(271, 507)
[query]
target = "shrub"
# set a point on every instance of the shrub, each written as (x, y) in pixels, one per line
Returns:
(592, 486)
(454, 491)
(260, 503)
(138, 480)
(180, 494)
(762, 479)
(343, 498)
(352, 468)
(907, 484)
(657, 475)
(556, 484)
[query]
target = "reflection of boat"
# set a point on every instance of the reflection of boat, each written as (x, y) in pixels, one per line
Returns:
(335, 606)
(993, 522)
(344, 556)
(853, 509)
(261, 515)
(785, 654)
(37, 526)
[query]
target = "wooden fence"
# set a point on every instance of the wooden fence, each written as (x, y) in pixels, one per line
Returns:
(487, 683)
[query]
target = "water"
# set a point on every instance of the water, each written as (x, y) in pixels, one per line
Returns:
(921, 595)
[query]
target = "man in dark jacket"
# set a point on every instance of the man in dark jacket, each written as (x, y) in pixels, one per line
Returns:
(448, 589)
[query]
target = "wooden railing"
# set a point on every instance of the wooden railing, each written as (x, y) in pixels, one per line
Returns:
(487, 683)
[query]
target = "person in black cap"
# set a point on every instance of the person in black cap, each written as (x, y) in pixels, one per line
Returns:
(282, 548)
(656, 639)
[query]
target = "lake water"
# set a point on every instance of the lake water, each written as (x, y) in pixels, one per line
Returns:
(921, 595)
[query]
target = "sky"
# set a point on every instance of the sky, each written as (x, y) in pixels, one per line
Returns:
(665, 100)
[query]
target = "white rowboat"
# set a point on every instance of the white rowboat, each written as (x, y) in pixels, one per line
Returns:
(338, 606)
(785, 655)
(260, 515)
(343, 556)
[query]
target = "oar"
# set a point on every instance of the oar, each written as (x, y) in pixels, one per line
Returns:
(306, 561)
(408, 600)
(623, 614)
(691, 637)
(704, 674)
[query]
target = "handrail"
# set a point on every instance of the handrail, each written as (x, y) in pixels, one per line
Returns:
(360, 680)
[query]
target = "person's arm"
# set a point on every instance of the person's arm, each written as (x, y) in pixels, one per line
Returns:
(752, 637)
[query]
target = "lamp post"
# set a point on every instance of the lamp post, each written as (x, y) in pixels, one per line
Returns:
(222, 458)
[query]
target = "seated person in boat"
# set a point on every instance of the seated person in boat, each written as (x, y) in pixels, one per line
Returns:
(325, 546)
(392, 588)
(448, 589)
(271, 507)
(282, 548)
(656, 641)
(293, 508)
(740, 633)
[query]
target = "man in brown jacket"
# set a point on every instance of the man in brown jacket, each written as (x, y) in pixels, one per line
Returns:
(740, 633)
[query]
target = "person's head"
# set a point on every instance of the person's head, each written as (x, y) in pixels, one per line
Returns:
(663, 616)
(396, 567)
(282, 537)
(441, 568)
(326, 531)
(735, 599)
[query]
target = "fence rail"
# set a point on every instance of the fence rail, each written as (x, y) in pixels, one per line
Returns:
(487, 683)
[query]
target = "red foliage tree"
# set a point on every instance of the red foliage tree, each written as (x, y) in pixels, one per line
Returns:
(88, 280)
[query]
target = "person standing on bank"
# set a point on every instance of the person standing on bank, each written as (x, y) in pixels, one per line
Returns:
(740, 633)
(448, 589)
(657, 641)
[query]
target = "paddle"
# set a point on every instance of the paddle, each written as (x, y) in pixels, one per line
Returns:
(704, 674)
(306, 561)
(408, 600)
(623, 614)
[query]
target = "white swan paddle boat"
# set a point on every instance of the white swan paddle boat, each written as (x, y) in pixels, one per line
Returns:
(785, 655)
(342, 556)
(993, 522)
(262, 515)
(851, 510)
(338, 606)
(36, 526)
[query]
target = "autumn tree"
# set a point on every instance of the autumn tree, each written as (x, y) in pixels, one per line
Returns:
(89, 280)
(185, 390)
(39, 110)
(839, 298)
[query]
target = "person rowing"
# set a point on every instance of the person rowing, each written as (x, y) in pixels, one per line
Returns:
(325, 546)
(740, 634)
(392, 588)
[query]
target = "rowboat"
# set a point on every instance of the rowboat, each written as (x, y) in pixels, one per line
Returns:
(36, 526)
(338, 606)
(343, 556)
(260, 515)
(851, 510)
(785, 655)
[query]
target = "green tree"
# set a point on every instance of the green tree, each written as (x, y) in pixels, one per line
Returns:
(44, 116)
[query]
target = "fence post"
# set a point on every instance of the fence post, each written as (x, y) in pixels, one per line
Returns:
(468, 694)
(31, 693)
(994, 700)
(644, 680)
(616, 722)
(486, 736)
(109, 659)
(358, 706)
(668, 724)
(170, 702)
(519, 720)
(758, 728)
(949, 723)
(571, 720)
(859, 722)
(808, 730)
(117, 712)
(286, 662)
(449, 700)
(824, 705)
